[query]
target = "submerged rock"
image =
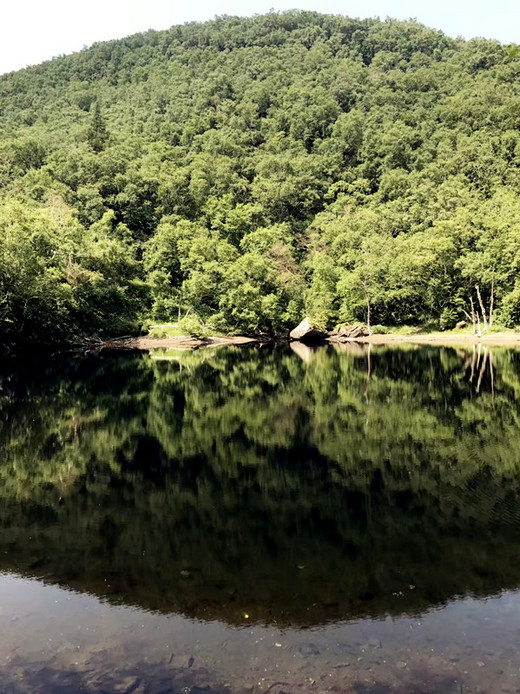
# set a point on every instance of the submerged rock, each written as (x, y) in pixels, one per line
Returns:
(306, 332)
(308, 649)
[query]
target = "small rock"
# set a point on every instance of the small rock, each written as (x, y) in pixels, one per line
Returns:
(127, 686)
(182, 661)
(308, 649)
(374, 643)
(401, 664)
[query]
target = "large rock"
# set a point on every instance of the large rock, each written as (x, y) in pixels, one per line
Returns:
(349, 332)
(306, 332)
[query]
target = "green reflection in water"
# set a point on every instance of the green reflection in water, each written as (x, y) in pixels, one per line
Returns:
(296, 489)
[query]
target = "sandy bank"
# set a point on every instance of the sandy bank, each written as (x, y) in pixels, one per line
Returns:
(504, 339)
(178, 342)
(186, 342)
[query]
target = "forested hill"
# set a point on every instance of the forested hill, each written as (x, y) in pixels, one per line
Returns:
(252, 171)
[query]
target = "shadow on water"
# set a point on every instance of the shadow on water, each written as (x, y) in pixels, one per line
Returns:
(265, 486)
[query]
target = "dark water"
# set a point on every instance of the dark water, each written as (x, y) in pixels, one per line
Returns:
(256, 520)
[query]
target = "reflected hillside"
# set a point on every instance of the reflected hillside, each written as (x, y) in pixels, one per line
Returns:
(237, 481)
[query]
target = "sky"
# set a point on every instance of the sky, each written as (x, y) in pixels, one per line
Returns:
(32, 31)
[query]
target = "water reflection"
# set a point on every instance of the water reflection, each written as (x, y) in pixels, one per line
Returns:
(264, 486)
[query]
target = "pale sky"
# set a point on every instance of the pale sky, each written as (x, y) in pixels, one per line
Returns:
(35, 30)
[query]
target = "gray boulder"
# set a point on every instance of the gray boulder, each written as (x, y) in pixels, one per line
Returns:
(348, 332)
(306, 332)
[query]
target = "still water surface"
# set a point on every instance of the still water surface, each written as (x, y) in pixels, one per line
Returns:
(261, 520)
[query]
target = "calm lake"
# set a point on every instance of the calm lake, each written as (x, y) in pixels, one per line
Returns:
(261, 519)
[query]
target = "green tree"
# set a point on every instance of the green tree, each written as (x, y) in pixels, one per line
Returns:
(97, 134)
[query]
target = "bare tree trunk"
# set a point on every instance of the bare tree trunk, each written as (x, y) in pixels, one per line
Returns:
(482, 307)
(470, 318)
(367, 299)
(491, 302)
(479, 333)
(473, 320)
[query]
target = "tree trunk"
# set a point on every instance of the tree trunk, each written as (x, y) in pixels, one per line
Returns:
(491, 302)
(367, 299)
(473, 319)
(482, 307)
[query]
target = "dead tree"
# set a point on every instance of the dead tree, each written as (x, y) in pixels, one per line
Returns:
(472, 318)
(491, 302)
(484, 319)
(367, 300)
(476, 316)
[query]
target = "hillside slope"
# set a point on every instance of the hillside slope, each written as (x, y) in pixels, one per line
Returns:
(253, 170)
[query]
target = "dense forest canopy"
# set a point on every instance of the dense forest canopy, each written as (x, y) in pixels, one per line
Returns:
(254, 170)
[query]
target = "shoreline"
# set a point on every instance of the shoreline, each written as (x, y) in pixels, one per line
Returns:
(145, 343)
(440, 339)
(190, 343)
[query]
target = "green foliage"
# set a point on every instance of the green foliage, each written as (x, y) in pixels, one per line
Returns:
(272, 166)
(97, 134)
(58, 279)
(191, 325)
(511, 307)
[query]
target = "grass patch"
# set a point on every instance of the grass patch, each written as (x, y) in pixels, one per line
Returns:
(190, 326)
(165, 330)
